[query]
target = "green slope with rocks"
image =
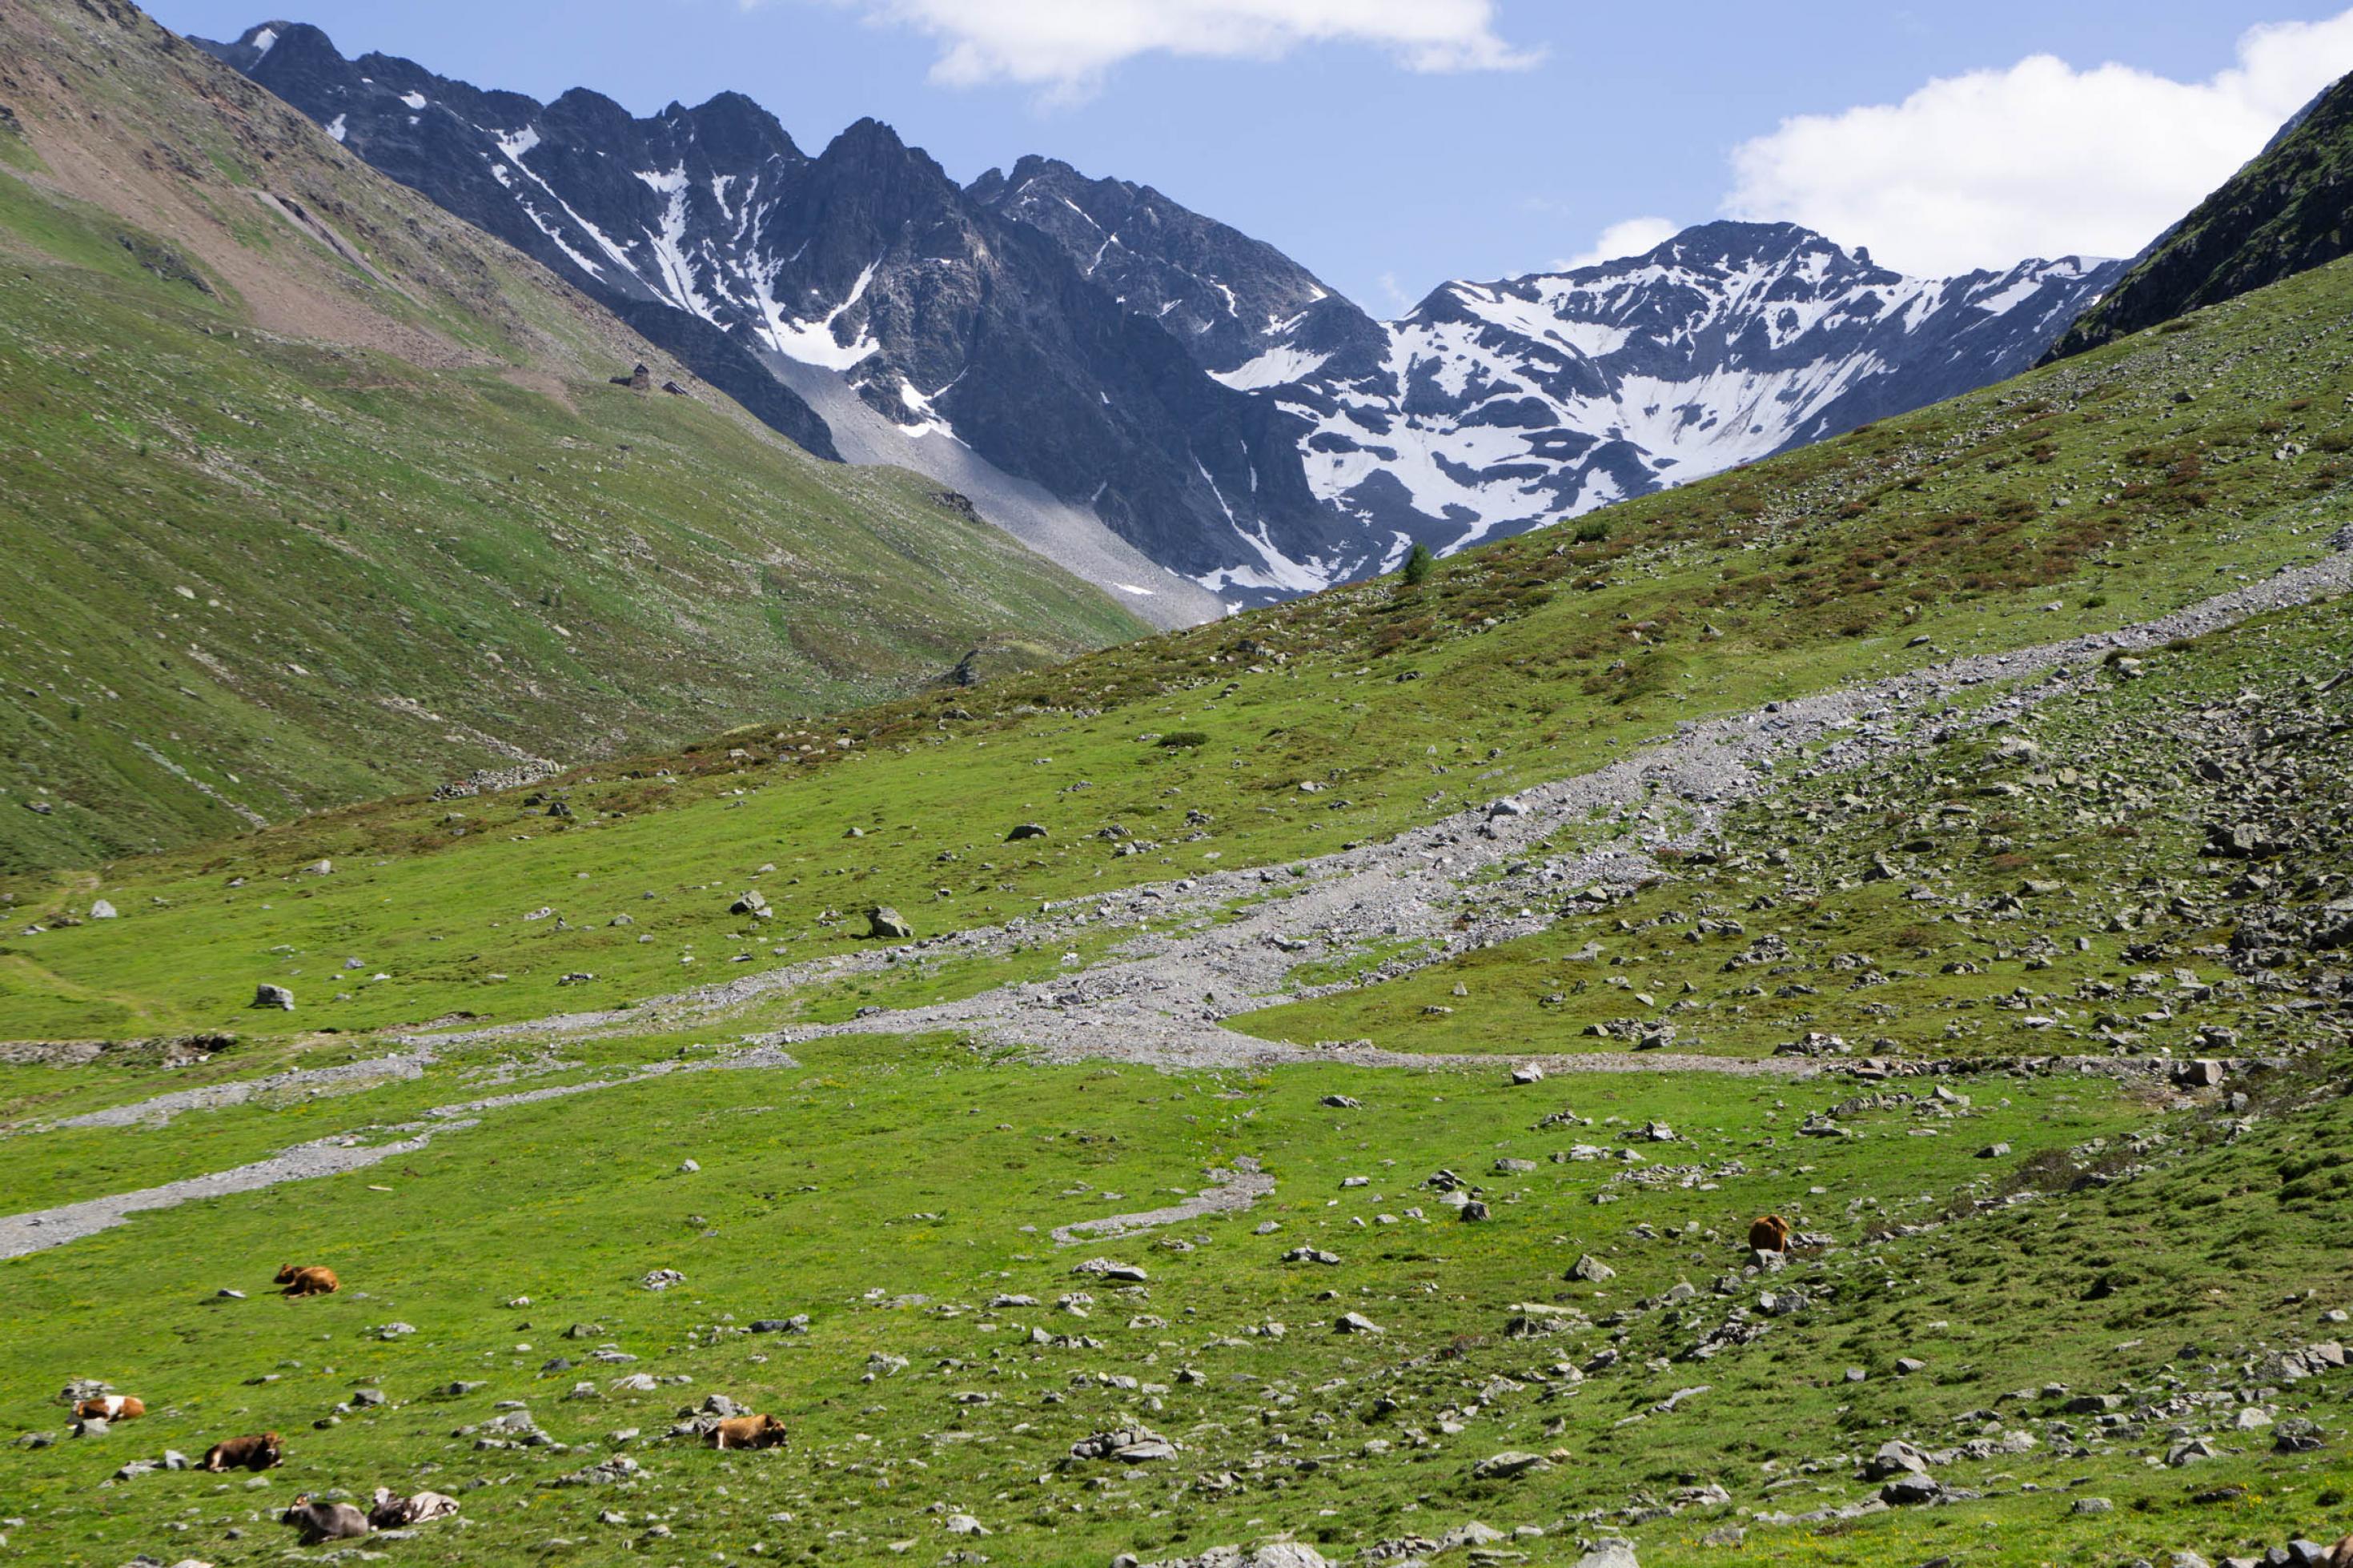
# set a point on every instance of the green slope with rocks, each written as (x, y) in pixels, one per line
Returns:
(1318, 1114)
(313, 494)
(2285, 213)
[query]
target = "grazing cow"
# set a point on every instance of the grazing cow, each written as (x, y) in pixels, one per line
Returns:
(746, 1432)
(324, 1520)
(258, 1452)
(1769, 1234)
(111, 1408)
(395, 1512)
(311, 1281)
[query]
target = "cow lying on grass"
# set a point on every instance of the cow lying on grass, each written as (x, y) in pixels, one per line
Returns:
(1770, 1233)
(111, 1408)
(746, 1432)
(309, 1282)
(256, 1452)
(319, 1521)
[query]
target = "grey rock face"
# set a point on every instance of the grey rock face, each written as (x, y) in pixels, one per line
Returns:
(709, 231)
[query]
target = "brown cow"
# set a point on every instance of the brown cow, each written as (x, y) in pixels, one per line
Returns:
(111, 1408)
(393, 1512)
(746, 1432)
(2341, 1554)
(324, 1520)
(256, 1452)
(311, 1282)
(1770, 1233)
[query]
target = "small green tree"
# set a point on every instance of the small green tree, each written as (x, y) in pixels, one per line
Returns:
(1418, 563)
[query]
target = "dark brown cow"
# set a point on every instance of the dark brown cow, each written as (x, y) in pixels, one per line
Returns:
(324, 1520)
(1770, 1233)
(111, 1408)
(258, 1452)
(746, 1432)
(309, 1282)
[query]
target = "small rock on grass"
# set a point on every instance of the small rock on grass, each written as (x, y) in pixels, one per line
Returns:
(1611, 1554)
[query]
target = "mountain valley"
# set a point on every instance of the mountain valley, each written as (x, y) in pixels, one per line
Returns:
(963, 956)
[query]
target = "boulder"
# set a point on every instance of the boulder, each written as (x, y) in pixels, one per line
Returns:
(278, 996)
(1611, 1553)
(1509, 1463)
(885, 923)
(1896, 1458)
(1026, 830)
(1355, 1323)
(1909, 1491)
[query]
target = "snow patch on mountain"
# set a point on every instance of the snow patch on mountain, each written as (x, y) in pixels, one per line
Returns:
(1494, 408)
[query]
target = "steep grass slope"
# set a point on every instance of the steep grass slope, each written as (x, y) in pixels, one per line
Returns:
(313, 493)
(2285, 213)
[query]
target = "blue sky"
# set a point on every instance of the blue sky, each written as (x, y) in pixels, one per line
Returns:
(1391, 144)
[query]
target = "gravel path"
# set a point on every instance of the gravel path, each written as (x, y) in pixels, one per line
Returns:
(160, 1111)
(20, 1233)
(1164, 997)
(45, 1229)
(1230, 1192)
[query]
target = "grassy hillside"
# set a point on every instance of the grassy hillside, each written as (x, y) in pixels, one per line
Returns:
(2083, 497)
(2286, 211)
(2020, 986)
(313, 494)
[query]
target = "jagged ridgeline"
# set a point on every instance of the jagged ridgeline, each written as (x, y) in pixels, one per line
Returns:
(1112, 374)
(315, 493)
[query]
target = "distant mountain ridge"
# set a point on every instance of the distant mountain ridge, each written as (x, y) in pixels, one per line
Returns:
(1492, 407)
(865, 261)
(1161, 376)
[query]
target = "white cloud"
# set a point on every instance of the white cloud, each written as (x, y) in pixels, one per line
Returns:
(1066, 47)
(1631, 236)
(2042, 159)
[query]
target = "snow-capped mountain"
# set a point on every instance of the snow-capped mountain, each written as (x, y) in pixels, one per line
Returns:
(1496, 406)
(1239, 306)
(953, 324)
(1160, 402)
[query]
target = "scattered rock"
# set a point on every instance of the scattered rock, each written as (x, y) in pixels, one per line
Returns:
(1128, 1445)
